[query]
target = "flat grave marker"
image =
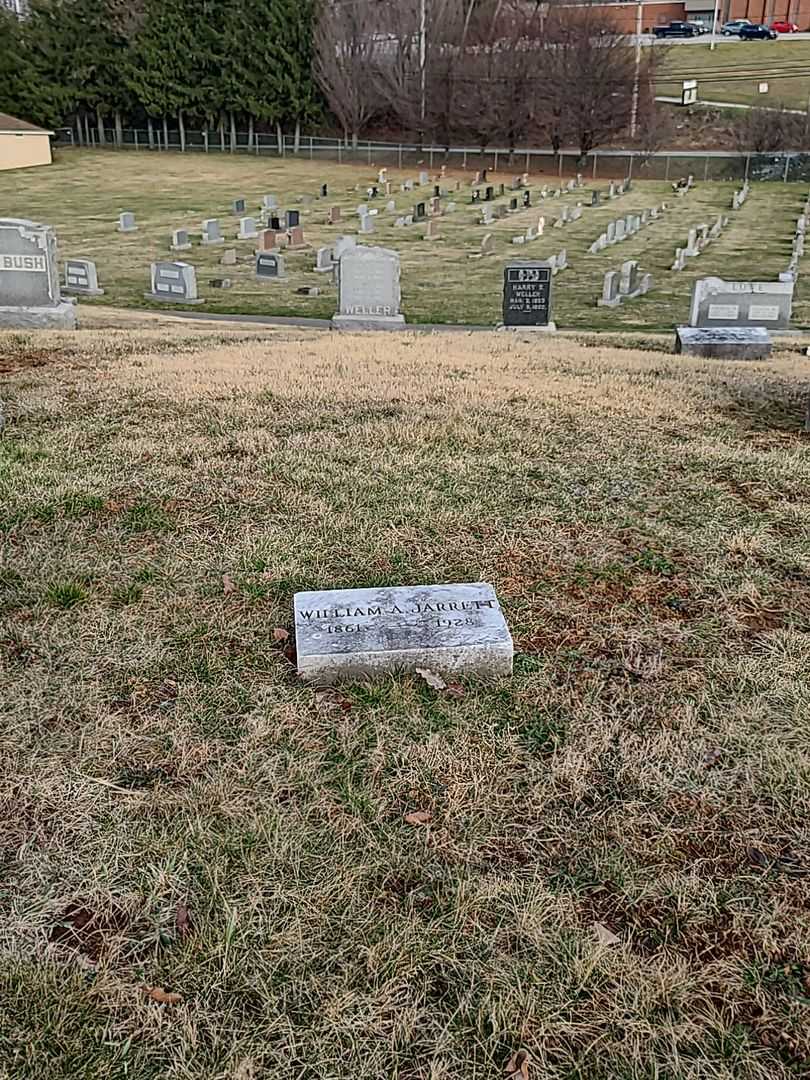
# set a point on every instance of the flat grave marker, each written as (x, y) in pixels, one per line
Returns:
(346, 634)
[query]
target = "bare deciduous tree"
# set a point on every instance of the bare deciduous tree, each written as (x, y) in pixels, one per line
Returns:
(346, 48)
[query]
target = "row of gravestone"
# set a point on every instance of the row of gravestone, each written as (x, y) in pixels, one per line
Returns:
(624, 284)
(738, 197)
(797, 248)
(698, 239)
(622, 228)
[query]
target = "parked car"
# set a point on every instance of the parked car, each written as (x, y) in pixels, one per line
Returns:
(675, 29)
(782, 26)
(757, 30)
(734, 27)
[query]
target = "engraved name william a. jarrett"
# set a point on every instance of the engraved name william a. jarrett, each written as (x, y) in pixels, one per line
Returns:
(418, 609)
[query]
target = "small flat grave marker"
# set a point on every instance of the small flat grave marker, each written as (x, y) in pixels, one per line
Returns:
(346, 634)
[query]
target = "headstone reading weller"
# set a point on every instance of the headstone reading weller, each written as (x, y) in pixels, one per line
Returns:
(369, 633)
(368, 290)
(527, 295)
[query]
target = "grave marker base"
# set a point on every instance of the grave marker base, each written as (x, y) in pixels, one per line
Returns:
(59, 317)
(368, 322)
(168, 299)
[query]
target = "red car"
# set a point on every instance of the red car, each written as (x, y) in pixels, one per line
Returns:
(782, 26)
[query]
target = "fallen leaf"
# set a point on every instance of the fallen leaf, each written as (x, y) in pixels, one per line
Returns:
(711, 757)
(157, 993)
(280, 635)
(418, 817)
(605, 936)
(182, 920)
(431, 678)
(517, 1067)
(228, 585)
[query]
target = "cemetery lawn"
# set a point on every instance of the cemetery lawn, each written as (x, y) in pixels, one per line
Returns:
(83, 193)
(734, 69)
(614, 872)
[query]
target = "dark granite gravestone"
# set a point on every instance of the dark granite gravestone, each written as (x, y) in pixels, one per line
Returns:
(724, 342)
(324, 190)
(476, 196)
(270, 266)
(489, 194)
(275, 223)
(594, 198)
(527, 199)
(527, 295)
(513, 203)
(419, 212)
(292, 218)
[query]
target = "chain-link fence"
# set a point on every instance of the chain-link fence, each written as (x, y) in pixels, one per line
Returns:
(598, 164)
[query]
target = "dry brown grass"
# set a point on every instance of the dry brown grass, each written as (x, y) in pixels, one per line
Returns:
(644, 520)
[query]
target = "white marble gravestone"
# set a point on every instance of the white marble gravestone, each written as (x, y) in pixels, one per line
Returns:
(367, 633)
(29, 277)
(368, 290)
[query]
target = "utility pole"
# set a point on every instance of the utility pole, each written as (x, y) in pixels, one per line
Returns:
(634, 109)
(422, 66)
(713, 42)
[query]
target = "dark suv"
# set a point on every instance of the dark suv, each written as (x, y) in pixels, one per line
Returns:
(748, 33)
(676, 29)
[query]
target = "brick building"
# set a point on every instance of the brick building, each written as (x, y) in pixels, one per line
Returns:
(656, 12)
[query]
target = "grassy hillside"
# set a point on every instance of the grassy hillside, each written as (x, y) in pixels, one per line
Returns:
(614, 871)
(83, 194)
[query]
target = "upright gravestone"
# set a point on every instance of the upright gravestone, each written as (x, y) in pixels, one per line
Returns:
(292, 218)
(366, 224)
(238, 207)
(527, 296)
(368, 290)
(29, 278)
(716, 302)
(325, 260)
(333, 217)
(610, 290)
(180, 240)
(372, 633)
(126, 222)
(81, 278)
(211, 233)
(269, 202)
(247, 229)
(174, 283)
(270, 267)
(342, 245)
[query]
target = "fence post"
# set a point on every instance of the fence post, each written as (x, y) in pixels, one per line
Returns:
(595, 155)
(431, 157)
(464, 160)
(666, 171)
(787, 168)
(256, 141)
(630, 167)
(561, 165)
(747, 165)
(310, 148)
(399, 155)
(706, 168)
(136, 138)
(495, 166)
(527, 161)
(205, 139)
